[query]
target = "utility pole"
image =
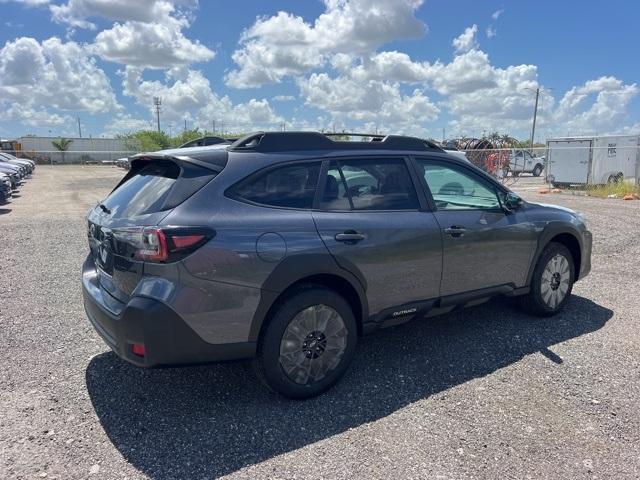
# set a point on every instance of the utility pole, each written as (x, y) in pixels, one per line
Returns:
(535, 114)
(213, 124)
(185, 126)
(157, 102)
(443, 135)
(79, 128)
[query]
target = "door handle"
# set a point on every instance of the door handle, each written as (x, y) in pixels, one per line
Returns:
(350, 236)
(455, 231)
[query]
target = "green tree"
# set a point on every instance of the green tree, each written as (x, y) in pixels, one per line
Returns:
(186, 136)
(62, 145)
(146, 140)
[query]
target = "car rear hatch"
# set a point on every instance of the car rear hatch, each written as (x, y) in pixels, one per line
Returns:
(120, 227)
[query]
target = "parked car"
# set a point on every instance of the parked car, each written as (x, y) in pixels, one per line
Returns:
(30, 165)
(5, 188)
(286, 247)
(205, 141)
(456, 153)
(14, 173)
(521, 161)
(123, 163)
(22, 169)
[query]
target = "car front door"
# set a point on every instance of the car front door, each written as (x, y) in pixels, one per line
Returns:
(483, 245)
(370, 219)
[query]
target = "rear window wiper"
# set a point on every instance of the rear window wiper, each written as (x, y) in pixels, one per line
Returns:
(104, 208)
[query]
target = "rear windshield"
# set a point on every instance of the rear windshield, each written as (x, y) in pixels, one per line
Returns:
(144, 192)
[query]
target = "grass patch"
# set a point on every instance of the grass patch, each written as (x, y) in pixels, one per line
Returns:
(619, 189)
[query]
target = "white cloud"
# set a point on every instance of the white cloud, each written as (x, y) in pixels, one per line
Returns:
(125, 123)
(77, 12)
(491, 31)
(28, 3)
(466, 40)
(187, 94)
(495, 15)
(151, 45)
(53, 74)
(283, 98)
(284, 44)
(392, 66)
(36, 116)
(368, 101)
(604, 115)
(147, 33)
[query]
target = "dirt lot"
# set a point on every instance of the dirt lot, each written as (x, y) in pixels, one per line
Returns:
(484, 393)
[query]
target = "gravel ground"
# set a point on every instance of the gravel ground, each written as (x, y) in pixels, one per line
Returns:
(484, 393)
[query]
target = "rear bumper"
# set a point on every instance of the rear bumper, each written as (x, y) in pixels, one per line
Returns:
(167, 339)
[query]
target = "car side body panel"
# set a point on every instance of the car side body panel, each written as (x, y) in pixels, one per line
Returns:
(496, 249)
(400, 255)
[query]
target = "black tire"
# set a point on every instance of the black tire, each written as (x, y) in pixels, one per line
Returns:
(537, 170)
(534, 302)
(268, 364)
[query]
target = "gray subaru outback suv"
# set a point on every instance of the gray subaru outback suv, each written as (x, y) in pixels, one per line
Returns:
(287, 247)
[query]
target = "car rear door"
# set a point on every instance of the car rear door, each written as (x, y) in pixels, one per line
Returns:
(370, 219)
(483, 246)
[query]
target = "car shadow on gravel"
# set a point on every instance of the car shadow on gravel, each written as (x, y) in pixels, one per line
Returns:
(204, 422)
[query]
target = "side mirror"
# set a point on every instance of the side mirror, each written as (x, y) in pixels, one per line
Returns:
(510, 201)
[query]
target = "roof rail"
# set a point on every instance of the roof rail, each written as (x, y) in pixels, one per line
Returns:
(296, 141)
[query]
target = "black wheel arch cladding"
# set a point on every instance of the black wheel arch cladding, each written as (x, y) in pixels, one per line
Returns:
(309, 268)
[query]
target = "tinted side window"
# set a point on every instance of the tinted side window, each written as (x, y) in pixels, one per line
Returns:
(453, 188)
(291, 186)
(334, 196)
(369, 184)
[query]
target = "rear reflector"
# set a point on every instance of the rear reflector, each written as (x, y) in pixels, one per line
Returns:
(186, 241)
(138, 349)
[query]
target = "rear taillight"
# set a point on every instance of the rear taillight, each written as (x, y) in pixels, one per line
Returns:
(161, 245)
(154, 246)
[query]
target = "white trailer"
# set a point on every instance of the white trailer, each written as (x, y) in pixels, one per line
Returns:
(593, 160)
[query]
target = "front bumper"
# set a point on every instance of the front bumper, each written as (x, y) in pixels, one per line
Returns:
(167, 339)
(585, 261)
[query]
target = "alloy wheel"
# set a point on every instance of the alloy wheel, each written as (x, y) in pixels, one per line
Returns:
(313, 344)
(555, 281)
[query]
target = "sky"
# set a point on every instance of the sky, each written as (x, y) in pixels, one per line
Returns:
(419, 67)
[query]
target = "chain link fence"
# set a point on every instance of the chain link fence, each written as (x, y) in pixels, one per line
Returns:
(87, 157)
